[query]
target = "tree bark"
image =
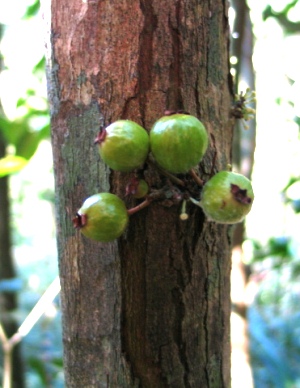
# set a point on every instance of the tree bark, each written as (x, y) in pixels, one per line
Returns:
(151, 309)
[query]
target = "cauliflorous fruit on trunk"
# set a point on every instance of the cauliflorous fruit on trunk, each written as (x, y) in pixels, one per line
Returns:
(227, 197)
(102, 217)
(178, 142)
(138, 188)
(123, 145)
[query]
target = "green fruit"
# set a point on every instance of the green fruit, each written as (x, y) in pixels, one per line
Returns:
(102, 217)
(123, 145)
(141, 190)
(138, 188)
(227, 197)
(178, 142)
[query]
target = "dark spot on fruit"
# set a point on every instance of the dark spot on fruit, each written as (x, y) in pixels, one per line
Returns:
(240, 195)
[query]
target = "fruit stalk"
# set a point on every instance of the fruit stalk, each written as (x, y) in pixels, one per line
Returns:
(183, 215)
(139, 207)
(196, 178)
(166, 173)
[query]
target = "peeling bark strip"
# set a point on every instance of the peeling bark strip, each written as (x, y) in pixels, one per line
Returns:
(151, 309)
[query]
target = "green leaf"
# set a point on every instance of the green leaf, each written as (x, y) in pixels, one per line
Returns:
(290, 183)
(296, 205)
(57, 362)
(288, 26)
(40, 66)
(13, 131)
(11, 164)
(21, 101)
(32, 10)
(39, 366)
(29, 143)
(19, 134)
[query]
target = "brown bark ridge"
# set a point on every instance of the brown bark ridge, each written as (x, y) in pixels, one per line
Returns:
(151, 309)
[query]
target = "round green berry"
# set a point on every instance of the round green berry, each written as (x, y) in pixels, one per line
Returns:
(227, 197)
(102, 217)
(178, 142)
(123, 145)
(137, 188)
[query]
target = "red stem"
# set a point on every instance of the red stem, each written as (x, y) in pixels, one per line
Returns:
(193, 174)
(172, 177)
(139, 207)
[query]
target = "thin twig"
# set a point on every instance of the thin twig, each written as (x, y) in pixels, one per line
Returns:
(166, 173)
(139, 207)
(3, 336)
(39, 309)
(196, 178)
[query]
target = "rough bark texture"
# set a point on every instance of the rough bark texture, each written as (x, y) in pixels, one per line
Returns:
(151, 309)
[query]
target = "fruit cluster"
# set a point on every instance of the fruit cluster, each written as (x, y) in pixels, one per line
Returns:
(177, 143)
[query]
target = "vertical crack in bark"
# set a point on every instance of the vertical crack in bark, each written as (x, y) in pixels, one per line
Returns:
(126, 108)
(197, 98)
(177, 295)
(183, 279)
(208, 43)
(174, 95)
(215, 289)
(206, 329)
(145, 61)
(198, 222)
(220, 299)
(187, 252)
(210, 246)
(136, 345)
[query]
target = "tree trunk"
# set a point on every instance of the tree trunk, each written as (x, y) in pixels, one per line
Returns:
(151, 309)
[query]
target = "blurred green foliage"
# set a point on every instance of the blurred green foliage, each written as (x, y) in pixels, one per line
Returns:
(32, 10)
(288, 26)
(274, 316)
(275, 347)
(10, 164)
(25, 133)
(294, 201)
(21, 138)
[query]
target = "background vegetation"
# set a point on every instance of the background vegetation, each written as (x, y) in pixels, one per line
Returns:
(272, 241)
